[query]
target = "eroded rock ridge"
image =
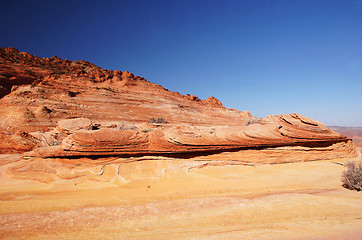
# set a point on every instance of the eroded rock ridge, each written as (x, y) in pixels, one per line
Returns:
(60, 108)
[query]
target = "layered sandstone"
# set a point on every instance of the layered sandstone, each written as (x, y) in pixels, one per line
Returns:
(89, 153)
(115, 107)
(81, 137)
(354, 133)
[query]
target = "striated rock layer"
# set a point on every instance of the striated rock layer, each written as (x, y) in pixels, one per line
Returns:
(182, 140)
(59, 108)
(88, 153)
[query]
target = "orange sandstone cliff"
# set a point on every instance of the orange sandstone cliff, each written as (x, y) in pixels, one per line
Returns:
(51, 107)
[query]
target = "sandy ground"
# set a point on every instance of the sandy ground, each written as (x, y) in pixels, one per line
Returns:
(179, 199)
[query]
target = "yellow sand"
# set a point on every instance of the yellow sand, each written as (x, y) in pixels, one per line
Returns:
(181, 199)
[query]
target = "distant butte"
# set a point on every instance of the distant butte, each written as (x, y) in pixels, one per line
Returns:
(51, 107)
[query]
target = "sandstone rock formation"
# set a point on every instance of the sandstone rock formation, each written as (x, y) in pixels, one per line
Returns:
(61, 108)
(355, 133)
(88, 153)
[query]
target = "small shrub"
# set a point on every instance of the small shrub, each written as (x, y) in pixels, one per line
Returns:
(352, 177)
(47, 140)
(124, 127)
(157, 121)
(252, 121)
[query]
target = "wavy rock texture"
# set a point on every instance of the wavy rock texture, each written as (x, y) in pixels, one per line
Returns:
(88, 153)
(167, 198)
(185, 140)
(118, 105)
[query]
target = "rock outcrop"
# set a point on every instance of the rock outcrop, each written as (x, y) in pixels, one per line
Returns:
(84, 138)
(62, 108)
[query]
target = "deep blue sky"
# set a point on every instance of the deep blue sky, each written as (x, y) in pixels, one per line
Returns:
(264, 56)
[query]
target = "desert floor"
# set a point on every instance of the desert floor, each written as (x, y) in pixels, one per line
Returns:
(175, 199)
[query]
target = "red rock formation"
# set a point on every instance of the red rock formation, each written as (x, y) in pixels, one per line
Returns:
(186, 140)
(115, 108)
(355, 133)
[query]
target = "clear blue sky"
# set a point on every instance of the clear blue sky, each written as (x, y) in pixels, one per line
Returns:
(264, 56)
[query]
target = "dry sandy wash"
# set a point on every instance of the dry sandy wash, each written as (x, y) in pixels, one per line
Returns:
(88, 153)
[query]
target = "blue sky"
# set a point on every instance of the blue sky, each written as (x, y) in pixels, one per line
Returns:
(264, 56)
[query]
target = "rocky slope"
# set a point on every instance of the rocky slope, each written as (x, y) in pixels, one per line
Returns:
(59, 108)
(100, 154)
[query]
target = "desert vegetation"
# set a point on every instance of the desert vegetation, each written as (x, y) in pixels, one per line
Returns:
(158, 120)
(48, 140)
(352, 177)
